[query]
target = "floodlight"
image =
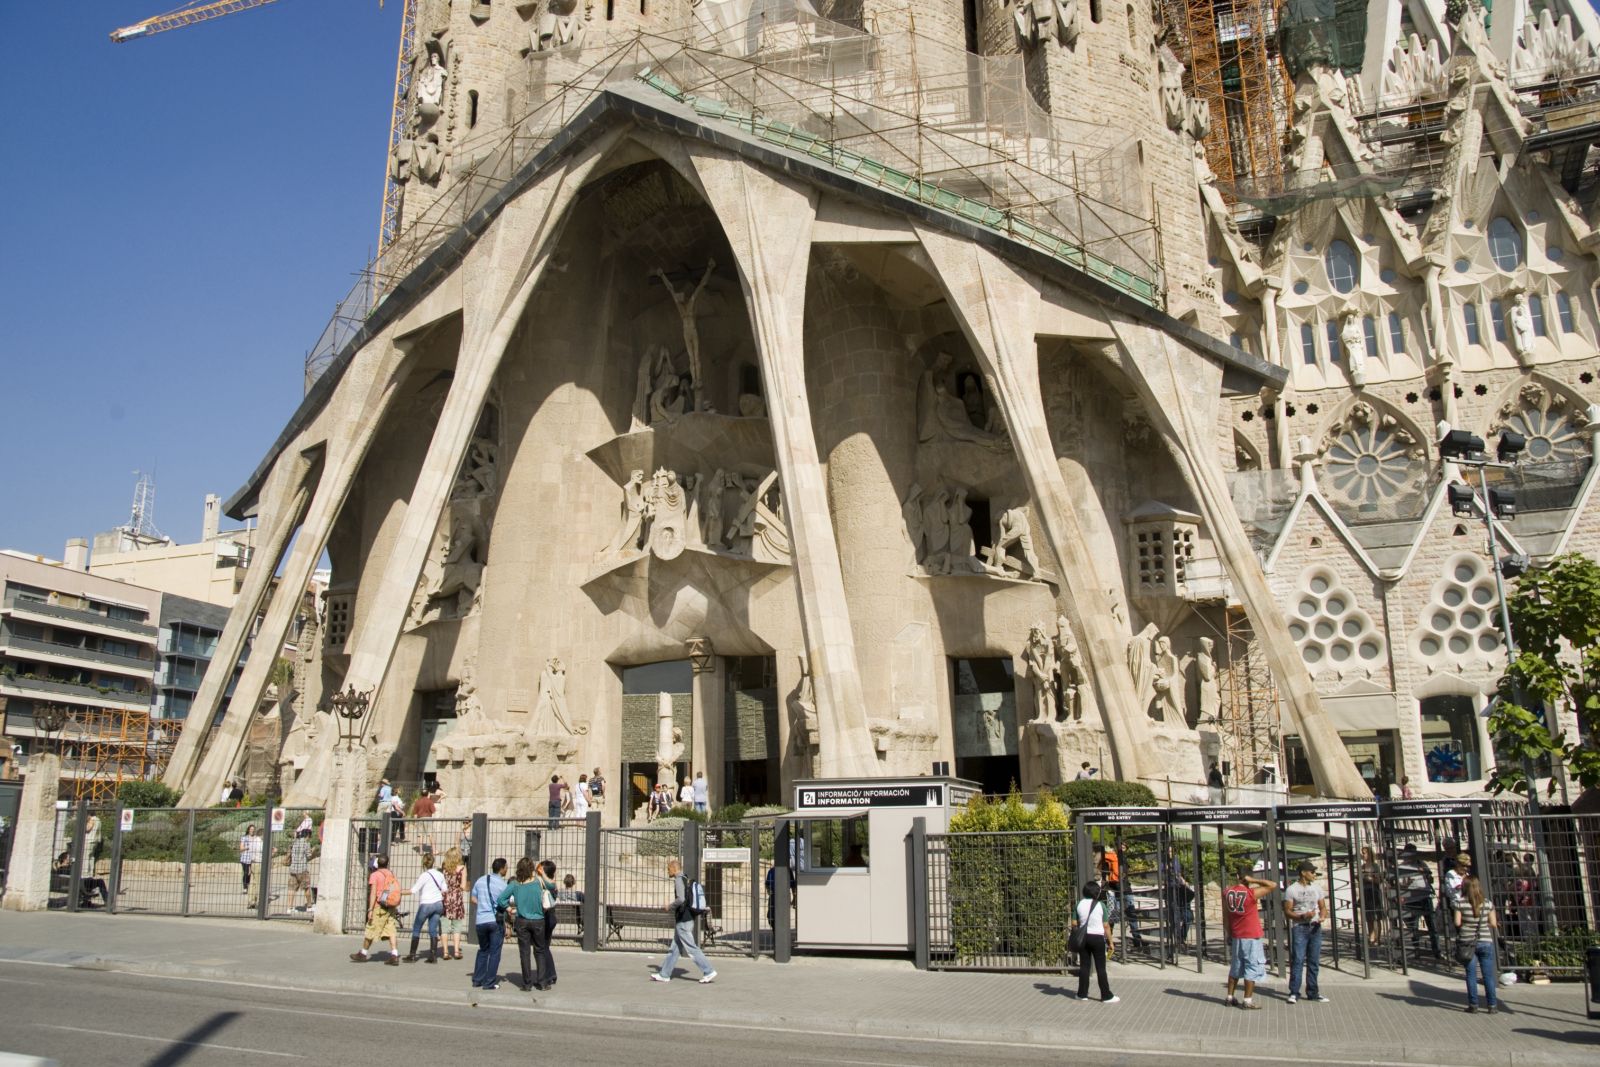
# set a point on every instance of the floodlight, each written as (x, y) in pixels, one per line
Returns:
(1460, 444)
(1461, 499)
(1510, 446)
(1503, 502)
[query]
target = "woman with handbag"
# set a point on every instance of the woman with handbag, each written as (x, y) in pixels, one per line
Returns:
(1088, 940)
(1477, 926)
(429, 889)
(528, 891)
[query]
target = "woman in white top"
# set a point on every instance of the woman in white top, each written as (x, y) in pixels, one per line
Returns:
(249, 855)
(1091, 915)
(580, 797)
(429, 891)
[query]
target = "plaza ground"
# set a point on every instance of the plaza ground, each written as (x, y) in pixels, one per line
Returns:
(75, 984)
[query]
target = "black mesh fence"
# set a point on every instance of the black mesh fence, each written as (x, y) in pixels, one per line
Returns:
(1542, 875)
(1000, 901)
(635, 893)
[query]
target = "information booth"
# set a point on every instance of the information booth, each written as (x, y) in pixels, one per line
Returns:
(1128, 848)
(1342, 840)
(848, 852)
(1216, 840)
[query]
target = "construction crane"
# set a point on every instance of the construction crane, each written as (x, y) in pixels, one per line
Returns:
(189, 14)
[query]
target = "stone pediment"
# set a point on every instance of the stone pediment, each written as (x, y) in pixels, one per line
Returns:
(692, 441)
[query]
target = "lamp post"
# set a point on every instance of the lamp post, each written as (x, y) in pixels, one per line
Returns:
(49, 718)
(351, 706)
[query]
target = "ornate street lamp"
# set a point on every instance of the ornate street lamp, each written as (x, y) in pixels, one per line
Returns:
(49, 718)
(352, 707)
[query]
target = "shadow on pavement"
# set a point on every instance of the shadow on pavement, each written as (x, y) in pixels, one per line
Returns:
(194, 1041)
(1054, 990)
(1571, 1037)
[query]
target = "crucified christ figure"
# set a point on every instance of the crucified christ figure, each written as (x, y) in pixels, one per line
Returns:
(691, 332)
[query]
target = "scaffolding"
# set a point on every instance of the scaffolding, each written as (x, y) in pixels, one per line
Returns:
(1251, 725)
(104, 747)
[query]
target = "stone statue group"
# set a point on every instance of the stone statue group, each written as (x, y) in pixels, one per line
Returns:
(665, 515)
(1062, 688)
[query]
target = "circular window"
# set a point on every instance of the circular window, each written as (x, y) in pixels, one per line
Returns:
(1388, 275)
(1369, 650)
(1465, 572)
(1463, 266)
(1471, 620)
(1452, 597)
(1336, 606)
(1555, 253)
(1366, 464)
(1440, 621)
(1551, 435)
(1313, 653)
(1301, 288)
(1297, 631)
(1488, 642)
(1230, 298)
(1352, 627)
(1459, 643)
(1319, 585)
(1340, 652)
(1482, 594)
(1429, 646)
(1308, 608)
(1324, 629)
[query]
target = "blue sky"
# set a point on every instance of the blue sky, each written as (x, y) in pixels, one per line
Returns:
(181, 213)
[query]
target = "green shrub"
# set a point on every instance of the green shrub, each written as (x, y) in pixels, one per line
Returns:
(1105, 793)
(1565, 950)
(151, 794)
(1011, 880)
(730, 812)
(656, 840)
(684, 813)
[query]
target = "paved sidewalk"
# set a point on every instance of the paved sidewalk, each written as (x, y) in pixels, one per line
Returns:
(1388, 1019)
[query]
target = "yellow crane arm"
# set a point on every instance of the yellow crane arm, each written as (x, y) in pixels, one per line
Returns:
(184, 16)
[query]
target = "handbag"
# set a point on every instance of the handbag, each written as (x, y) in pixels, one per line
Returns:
(1075, 939)
(547, 900)
(1465, 950)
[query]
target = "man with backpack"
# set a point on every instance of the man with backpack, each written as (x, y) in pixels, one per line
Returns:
(688, 904)
(383, 903)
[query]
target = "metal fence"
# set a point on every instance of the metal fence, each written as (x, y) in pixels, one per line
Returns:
(635, 894)
(999, 901)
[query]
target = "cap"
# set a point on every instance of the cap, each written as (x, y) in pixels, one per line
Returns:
(1306, 866)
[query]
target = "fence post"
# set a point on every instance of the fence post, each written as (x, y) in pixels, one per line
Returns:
(590, 908)
(33, 841)
(478, 858)
(1279, 922)
(114, 879)
(264, 874)
(385, 828)
(188, 862)
(780, 892)
(917, 885)
(75, 876)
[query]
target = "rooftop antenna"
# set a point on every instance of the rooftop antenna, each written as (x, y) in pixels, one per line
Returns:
(141, 524)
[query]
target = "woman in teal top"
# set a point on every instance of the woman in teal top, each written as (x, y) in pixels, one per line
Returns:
(528, 894)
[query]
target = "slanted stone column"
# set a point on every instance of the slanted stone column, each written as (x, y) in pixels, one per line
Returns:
(709, 719)
(997, 305)
(768, 224)
(1180, 390)
(28, 881)
(333, 863)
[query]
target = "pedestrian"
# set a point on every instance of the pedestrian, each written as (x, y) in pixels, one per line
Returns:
(385, 791)
(1405, 788)
(1108, 868)
(249, 856)
(1241, 913)
(429, 891)
(662, 799)
(1180, 899)
(569, 893)
(683, 918)
(526, 894)
(1372, 902)
(1477, 926)
(547, 871)
(701, 793)
(383, 921)
(686, 794)
(597, 786)
(464, 840)
(397, 816)
(455, 902)
(553, 809)
(489, 919)
(1216, 787)
(1415, 883)
(61, 882)
(1306, 905)
(91, 843)
(424, 808)
(1456, 869)
(300, 868)
(1085, 772)
(1091, 915)
(580, 799)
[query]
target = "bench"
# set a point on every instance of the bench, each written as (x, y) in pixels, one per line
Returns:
(568, 914)
(618, 916)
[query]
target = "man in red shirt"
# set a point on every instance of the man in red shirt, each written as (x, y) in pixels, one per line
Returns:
(1241, 915)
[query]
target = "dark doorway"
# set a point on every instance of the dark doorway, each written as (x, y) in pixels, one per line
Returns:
(983, 711)
(750, 731)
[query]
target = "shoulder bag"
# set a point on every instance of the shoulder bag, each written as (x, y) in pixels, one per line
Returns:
(1075, 940)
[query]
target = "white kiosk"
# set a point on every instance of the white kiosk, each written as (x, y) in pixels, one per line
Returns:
(848, 852)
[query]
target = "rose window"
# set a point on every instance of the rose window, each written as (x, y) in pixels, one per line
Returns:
(1366, 464)
(1551, 435)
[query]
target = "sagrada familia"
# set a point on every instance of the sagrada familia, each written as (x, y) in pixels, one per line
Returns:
(773, 391)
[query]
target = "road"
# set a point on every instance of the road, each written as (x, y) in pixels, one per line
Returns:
(94, 1018)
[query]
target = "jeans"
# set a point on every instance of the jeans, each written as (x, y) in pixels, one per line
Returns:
(486, 967)
(1180, 917)
(1416, 913)
(244, 875)
(683, 941)
(555, 816)
(430, 914)
(1094, 948)
(533, 951)
(1482, 962)
(1305, 951)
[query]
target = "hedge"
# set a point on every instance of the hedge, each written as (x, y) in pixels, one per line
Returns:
(1010, 892)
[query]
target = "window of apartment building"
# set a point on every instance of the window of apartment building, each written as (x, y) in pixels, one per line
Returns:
(1308, 343)
(1342, 266)
(1497, 317)
(1469, 317)
(1333, 341)
(1369, 327)
(1536, 311)
(1397, 333)
(1564, 311)
(1505, 243)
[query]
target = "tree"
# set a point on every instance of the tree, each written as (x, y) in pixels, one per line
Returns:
(1555, 619)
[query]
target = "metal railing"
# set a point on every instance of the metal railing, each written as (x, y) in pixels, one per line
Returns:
(17, 602)
(1000, 901)
(91, 655)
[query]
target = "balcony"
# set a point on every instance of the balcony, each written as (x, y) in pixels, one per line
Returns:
(168, 678)
(22, 605)
(61, 653)
(187, 646)
(71, 692)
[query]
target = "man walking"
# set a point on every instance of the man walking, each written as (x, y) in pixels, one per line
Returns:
(1241, 913)
(491, 928)
(683, 930)
(1306, 904)
(383, 897)
(702, 793)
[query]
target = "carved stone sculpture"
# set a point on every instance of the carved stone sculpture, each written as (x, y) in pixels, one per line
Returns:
(1039, 664)
(1171, 80)
(1210, 686)
(1038, 21)
(691, 331)
(961, 558)
(1521, 320)
(559, 25)
(427, 161)
(1167, 681)
(803, 723)
(1014, 529)
(1416, 71)
(936, 528)
(769, 534)
(911, 512)
(634, 514)
(1354, 341)
(942, 415)
(430, 87)
(669, 515)
(1141, 664)
(669, 743)
(461, 571)
(751, 406)
(550, 710)
(1553, 49)
(1072, 676)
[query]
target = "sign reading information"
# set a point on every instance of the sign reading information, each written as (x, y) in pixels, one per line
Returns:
(888, 795)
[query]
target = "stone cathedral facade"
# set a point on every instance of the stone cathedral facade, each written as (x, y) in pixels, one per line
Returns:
(778, 393)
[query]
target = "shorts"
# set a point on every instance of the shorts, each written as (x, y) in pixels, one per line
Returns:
(299, 879)
(381, 925)
(455, 926)
(1248, 960)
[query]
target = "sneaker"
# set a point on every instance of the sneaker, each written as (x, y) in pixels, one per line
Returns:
(709, 978)
(1293, 999)
(1472, 1009)
(392, 961)
(1318, 999)
(659, 978)
(1250, 1005)
(1081, 996)
(492, 985)
(359, 957)
(1112, 1000)
(1233, 1001)
(1492, 1009)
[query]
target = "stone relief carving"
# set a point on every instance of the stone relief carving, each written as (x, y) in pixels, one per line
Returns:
(803, 723)
(1038, 21)
(938, 524)
(559, 24)
(1205, 664)
(666, 515)
(685, 303)
(550, 709)
(1354, 341)
(1416, 71)
(1167, 682)
(1520, 319)
(430, 87)
(1039, 664)
(1363, 421)
(942, 414)
(669, 515)
(453, 573)
(1072, 675)
(1142, 665)
(1553, 49)
(1554, 425)
(1014, 529)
